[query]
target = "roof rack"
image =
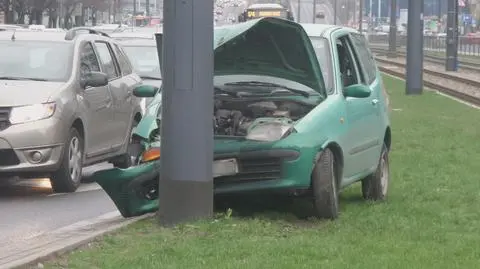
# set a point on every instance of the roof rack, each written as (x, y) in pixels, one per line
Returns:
(73, 32)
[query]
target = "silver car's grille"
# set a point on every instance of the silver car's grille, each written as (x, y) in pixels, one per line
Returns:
(4, 118)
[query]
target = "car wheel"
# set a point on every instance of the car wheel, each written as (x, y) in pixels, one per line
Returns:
(375, 186)
(132, 154)
(324, 186)
(68, 177)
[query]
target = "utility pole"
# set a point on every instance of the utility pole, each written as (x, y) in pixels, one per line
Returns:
(147, 7)
(134, 20)
(452, 36)
(379, 12)
(392, 40)
(414, 83)
(298, 11)
(186, 194)
(335, 4)
(314, 10)
(360, 17)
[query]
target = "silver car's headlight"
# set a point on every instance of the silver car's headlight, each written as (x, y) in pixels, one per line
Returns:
(23, 114)
(269, 132)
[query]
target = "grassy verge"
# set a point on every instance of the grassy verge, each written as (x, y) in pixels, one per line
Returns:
(431, 219)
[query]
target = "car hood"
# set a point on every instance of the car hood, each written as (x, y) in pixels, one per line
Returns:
(152, 82)
(267, 46)
(19, 92)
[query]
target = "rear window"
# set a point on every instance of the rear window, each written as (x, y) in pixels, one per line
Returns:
(50, 61)
(322, 50)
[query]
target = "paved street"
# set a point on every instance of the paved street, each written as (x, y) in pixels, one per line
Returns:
(29, 208)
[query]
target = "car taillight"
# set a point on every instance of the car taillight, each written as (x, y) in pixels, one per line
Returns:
(385, 95)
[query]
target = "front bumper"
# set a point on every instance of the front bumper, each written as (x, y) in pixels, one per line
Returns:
(31, 148)
(267, 170)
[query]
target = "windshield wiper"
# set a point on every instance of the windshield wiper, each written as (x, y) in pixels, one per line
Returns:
(150, 77)
(22, 78)
(268, 84)
(223, 91)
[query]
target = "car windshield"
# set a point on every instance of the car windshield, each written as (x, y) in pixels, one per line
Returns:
(144, 60)
(48, 61)
(322, 50)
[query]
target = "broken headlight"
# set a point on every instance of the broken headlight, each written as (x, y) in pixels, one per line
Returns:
(270, 132)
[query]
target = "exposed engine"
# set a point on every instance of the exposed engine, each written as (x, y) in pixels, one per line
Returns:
(239, 118)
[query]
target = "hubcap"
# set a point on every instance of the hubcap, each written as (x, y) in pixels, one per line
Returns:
(75, 159)
(384, 176)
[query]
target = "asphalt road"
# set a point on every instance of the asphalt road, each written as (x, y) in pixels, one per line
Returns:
(29, 208)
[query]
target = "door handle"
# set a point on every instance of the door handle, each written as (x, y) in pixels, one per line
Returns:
(374, 101)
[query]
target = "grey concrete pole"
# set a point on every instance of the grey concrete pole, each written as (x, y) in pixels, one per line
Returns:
(360, 17)
(335, 4)
(452, 36)
(314, 10)
(298, 11)
(414, 83)
(392, 40)
(186, 185)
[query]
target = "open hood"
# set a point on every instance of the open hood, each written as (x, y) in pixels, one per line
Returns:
(267, 47)
(270, 47)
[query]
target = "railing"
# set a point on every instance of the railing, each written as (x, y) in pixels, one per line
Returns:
(466, 45)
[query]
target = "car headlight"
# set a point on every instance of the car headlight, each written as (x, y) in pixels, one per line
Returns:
(270, 132)
(23, 114)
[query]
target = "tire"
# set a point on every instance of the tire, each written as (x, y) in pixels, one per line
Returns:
(375, 186)
(68, 177)
(324, 186)
(126, 160)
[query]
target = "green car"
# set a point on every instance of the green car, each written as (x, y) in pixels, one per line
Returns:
(299, 109)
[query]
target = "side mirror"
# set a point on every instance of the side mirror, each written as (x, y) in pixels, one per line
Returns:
(357, 91)
(94, 79)
(145, 91)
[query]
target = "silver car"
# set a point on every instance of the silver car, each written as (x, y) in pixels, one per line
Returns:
(67, 102)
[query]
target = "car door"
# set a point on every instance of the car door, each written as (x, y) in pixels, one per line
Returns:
(122, 95)
(97, 103)
(371, 78)
(359, 111)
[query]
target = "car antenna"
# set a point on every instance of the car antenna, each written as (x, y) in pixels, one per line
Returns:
(13, 35)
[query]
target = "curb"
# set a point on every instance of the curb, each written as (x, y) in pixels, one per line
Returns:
(64, 240)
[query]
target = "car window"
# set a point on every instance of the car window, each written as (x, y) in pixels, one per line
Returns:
(123, 61)
(347, 65)
(51, 61)
(365, 56)
(107, 59)
(324, 57)
(88, 60)
(144, 60)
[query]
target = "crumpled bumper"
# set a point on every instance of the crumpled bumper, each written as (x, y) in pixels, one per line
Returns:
(133, 190)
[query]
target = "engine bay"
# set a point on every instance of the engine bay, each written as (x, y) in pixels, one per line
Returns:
(240, 117)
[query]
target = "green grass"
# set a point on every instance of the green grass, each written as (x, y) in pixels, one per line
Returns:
(431, 219)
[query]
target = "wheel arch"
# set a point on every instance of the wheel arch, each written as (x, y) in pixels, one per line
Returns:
(339, 160)
(387, 139)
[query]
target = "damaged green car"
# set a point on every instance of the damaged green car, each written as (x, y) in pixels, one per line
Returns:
(278, 126)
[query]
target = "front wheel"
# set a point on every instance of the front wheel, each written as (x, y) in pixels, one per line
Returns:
(375, 186)
(324, 186)
(68, 177)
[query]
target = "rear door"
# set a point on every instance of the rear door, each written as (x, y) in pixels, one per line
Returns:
(122, 95)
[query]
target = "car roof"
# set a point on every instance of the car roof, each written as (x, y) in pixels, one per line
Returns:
(265, 5)
(132, 42)
(313, 29)
(50, 36)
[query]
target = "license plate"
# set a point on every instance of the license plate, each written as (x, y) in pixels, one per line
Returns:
(226, 167)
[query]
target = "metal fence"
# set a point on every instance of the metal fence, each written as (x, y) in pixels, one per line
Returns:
(466, 45)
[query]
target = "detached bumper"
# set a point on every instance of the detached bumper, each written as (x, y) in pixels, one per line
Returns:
(133, 190)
